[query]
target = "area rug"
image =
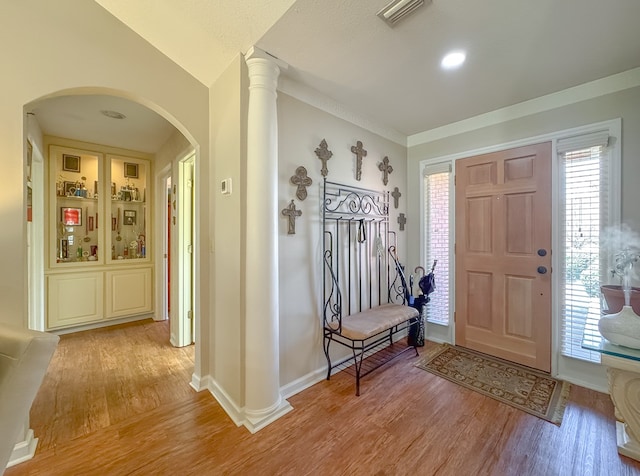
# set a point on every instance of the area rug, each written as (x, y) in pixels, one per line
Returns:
(521, 387)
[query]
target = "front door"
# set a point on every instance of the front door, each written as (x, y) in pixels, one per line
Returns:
(503, 255)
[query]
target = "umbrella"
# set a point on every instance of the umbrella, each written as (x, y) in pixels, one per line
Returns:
(427, 283)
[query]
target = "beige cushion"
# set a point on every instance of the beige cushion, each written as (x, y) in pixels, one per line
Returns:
(378, 319)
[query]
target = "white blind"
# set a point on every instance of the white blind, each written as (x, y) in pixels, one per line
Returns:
(437, 185)
(582, 141)
(584, 213)
(443, 167)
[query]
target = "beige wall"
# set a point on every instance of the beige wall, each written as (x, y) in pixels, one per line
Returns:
(624, 104)
(229, 96)
(301, 128)
(77, 46)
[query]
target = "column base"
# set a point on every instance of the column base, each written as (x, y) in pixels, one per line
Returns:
(257, 423)
(626, 445)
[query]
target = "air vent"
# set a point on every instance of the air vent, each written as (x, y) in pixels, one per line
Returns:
(399, 9)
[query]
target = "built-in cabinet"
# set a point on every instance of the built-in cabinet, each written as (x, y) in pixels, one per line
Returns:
(99, 265)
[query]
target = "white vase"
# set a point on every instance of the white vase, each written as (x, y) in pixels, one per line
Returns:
(622, 328)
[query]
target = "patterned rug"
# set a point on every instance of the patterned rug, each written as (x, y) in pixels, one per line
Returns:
(521, 387)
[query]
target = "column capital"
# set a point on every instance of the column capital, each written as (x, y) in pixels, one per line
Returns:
(256, 53)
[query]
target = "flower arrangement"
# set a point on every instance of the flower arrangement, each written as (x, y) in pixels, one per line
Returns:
(623, 268)
(623, 326)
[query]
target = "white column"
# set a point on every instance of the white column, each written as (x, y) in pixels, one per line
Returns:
(263, 402)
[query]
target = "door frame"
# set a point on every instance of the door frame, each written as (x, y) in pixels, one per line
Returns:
(161, 231)
(587, 374)
(185, 238)
(36, 242)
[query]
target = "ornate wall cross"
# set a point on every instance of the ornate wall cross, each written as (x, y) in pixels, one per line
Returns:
(396, 197)
(402, 220)
(301, 180)
(360, 153)
(291, 213)
(386, 169)
(324, 154)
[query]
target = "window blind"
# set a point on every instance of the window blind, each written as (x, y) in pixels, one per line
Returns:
(583, 214)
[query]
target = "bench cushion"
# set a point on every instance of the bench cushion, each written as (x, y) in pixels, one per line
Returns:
(378, 319)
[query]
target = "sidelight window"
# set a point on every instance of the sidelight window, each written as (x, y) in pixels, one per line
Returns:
(585, 192)
(437, 190)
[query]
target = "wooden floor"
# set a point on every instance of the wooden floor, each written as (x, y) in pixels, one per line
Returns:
(117, 402)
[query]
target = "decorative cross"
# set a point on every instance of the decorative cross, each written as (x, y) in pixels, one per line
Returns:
(386, 169)
(301, 180)
(291, 213)
(396, 196)
(360, 153)
(324, 154)
(402, 220)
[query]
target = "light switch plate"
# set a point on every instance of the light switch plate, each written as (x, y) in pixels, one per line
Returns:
(225, 186)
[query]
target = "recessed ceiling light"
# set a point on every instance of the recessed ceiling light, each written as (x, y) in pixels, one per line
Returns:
(113, 114)
(453, 60)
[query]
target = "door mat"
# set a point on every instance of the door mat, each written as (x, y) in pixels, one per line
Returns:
(521, 387)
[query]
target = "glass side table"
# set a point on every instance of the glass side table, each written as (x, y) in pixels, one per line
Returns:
(623, 370)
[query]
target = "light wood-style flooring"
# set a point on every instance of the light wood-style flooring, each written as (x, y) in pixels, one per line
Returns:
(117, 402)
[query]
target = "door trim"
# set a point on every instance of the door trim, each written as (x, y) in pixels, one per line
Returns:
(576, 371)
(160, 234)
(185, 241)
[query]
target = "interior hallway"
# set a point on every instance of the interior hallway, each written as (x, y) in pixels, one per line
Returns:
(116, 401)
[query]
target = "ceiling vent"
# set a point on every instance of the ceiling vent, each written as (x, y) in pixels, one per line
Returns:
(399, 9)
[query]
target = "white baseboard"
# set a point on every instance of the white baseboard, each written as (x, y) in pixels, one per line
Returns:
(199, 384)
(98, 325)
(238, 414)
(598, 386)
(24, 450)
(228, 405)
(304, 382)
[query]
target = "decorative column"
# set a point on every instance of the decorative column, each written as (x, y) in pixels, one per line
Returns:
(263, 402)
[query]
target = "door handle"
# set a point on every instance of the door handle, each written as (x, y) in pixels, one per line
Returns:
(542, 252)
(542, 270)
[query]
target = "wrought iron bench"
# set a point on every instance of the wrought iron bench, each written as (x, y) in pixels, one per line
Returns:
(364, 288)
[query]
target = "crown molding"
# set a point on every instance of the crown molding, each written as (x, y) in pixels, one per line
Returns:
(600, 87)
(330, 106)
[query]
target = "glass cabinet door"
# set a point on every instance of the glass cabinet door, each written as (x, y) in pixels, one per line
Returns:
(129, 211)
(75, 177)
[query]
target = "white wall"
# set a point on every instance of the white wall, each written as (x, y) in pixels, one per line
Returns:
(228, 101)
(301, 128)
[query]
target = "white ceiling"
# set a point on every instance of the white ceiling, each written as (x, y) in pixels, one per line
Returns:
(80, 118)
(516, 51)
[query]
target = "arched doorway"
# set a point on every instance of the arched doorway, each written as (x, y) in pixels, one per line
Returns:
(114, 122)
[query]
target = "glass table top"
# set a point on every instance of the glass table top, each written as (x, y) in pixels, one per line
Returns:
(597, 343)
